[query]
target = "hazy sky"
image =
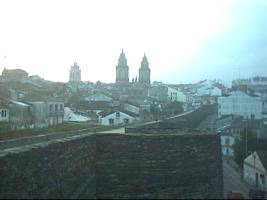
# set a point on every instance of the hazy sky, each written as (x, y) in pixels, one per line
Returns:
(185, 41)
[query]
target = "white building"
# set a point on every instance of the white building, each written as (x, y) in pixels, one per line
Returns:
(75, 73)
(209, 91)
(258, 80)
(70, 116)
(208, 88)
(176, 95)
(241, 104)
(166, 93)
(254, 169)
(227, 143)
(98, 97)
(40, 113)
(117, 117)
(132, 108)
(55, 110)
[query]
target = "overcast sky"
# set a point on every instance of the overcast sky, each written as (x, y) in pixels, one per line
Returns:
(185, 41)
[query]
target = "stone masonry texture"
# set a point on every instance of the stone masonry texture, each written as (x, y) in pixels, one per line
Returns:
(118, 166)
(159, 166)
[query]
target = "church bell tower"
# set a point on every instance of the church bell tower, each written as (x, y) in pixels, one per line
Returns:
(144, 72)
(122, 70)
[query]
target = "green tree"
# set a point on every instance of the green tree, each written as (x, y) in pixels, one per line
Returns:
(247, 143)
(174, 108)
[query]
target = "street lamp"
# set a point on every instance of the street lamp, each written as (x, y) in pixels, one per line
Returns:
(254, 159)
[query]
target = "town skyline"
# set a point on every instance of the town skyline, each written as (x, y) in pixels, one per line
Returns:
(134, 76)
(187, 42)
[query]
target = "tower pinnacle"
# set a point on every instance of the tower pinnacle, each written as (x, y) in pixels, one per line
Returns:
(122, 69)
(144, 72)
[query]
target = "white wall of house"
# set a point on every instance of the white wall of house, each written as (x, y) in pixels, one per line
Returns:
(55, 112)
(176, 95)
(216, 92)
(69, 115)
(117, 118)
(252, 168)
(132, 108)
(239, 103)
(54, 120)
(227, 142)
(4, 115)
(40, 114)
(98, 97)
(211, 91)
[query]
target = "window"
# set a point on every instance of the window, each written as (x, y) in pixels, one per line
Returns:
(51, 108)
(111, 121)
(117, 114)
(3, 113)
(126, 121)
(61, 107)
(262, 179)
(227, 141)
(227, 151)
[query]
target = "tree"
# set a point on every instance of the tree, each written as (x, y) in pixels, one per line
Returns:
(174, 108)
(247, 142)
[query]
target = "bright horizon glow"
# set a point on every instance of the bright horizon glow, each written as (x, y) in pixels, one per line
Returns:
(46, 37)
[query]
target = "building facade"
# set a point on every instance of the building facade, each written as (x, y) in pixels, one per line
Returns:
(20, 115)
(254, 169)
(165, 93)
(209, 91)
(75, 74)
(241, 104)
(122, 70)
(55, 111)
(116, 117)
(99, 97)
(227, 142)
(14, 75)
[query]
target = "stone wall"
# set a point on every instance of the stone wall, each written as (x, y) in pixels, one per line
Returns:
(191, 120)
(56, 170)
(159, 166)
(174, 165)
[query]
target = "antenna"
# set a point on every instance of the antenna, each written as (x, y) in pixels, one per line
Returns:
(239, 73)
(4, 65)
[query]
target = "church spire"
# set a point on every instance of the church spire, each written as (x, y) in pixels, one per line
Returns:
(144, 63)
(122, 69)
(144, 72)
(122, 59)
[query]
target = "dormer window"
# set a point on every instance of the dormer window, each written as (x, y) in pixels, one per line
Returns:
(117, 114)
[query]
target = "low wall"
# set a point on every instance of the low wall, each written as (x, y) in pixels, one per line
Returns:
(174, 165)
(56, 170)
(190, 120)
(159, 166)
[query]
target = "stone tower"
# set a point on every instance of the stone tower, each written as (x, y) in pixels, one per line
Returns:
(122, 70)
(75, 73)
(144, 72)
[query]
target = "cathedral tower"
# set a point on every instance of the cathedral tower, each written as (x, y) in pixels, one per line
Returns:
(122, 70)
(75, 73)
(144, 72)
